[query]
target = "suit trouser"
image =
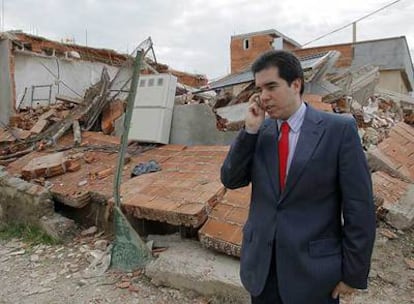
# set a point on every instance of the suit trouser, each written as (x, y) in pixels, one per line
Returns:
(270, 293)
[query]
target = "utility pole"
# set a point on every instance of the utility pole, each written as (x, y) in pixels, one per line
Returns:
(354, 32)
(86, 37)
(2, 15)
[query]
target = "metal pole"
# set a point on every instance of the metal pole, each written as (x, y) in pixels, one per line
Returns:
(2, 15)
(129, 251)
(127, 122)
(354, 32)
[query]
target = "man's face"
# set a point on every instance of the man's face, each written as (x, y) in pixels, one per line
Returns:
(277, 98)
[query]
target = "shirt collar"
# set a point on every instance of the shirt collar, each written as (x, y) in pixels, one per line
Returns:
(296, 119)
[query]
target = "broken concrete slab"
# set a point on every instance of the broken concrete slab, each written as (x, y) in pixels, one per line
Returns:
(394, 154)
(10, 135)
(234, 115)
(39, 126)
(195, 124)
(186, 265)
(396, 197)
(65, 188)
(183, 192)
(223, 229)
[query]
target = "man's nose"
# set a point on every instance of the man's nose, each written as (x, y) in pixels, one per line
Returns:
(264, 96)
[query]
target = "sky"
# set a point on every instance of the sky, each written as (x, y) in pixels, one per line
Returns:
(194, 35)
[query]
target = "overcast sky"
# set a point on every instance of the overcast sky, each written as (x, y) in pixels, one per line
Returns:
(194, 35)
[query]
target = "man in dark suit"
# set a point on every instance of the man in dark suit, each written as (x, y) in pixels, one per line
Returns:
(310, 231)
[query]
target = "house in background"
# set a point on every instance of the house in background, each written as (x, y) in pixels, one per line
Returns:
(245, 48)
(391, 55)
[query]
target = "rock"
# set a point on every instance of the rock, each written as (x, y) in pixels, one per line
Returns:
(82, 183)
(409, 262)
(101, 245)
(58, 227)
(63, 271)
(20, 252)
(34, 258)
(90, 231)
(388, 233)
(133, 288)
(82, 282)
(371, 137)
(84, 248)
(94, 255)
(123, 285)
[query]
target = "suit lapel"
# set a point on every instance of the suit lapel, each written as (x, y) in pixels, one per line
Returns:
(270, 137)
(310, 134)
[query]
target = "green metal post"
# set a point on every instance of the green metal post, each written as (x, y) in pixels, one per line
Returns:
(129, 252)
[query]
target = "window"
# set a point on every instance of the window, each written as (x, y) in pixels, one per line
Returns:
(142, 83)
(246, 43)
(160, 82)
(151, 82)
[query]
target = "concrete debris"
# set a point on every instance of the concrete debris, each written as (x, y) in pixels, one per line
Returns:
(90, 231)
(99, 262)
(388, 233)
(77, 168)
(186, 265)
(394, 199)
(19, 252)
(58, 227)
(410, 263)
(49, 165)
(101, 245)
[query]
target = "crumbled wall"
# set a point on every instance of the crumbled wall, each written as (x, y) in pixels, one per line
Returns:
(21, 201)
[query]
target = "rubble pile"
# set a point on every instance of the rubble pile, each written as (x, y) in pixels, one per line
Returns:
(70, 148)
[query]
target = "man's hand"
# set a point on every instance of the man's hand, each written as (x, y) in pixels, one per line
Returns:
(255, 115)
(342, 289)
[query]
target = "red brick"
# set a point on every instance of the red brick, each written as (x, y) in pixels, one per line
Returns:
(388, 188)
(396, 150)
(316, 102)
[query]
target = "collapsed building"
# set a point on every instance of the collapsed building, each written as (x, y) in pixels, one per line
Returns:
(62, 109)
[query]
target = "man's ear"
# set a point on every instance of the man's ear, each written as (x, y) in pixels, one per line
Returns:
(296, 85)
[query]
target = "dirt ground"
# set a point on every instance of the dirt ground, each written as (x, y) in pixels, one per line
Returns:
(57, 274)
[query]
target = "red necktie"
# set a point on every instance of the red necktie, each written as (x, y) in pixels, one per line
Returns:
(283, 153)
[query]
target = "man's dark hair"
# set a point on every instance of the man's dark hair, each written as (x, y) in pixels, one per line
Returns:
(286, 62)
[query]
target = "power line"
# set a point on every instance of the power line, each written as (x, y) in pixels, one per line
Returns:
(349, 24)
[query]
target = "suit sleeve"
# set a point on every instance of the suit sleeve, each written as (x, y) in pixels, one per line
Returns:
(358, 209)
(236, 169)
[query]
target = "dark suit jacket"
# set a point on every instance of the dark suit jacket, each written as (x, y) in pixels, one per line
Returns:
(322, 225)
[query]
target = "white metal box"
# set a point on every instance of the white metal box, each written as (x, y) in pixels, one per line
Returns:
(152, 114)
(156, 91)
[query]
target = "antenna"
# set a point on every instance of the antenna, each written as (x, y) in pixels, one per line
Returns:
(2, 15)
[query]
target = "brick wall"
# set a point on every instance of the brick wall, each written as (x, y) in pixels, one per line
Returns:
(191, 80)
(241, 58)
